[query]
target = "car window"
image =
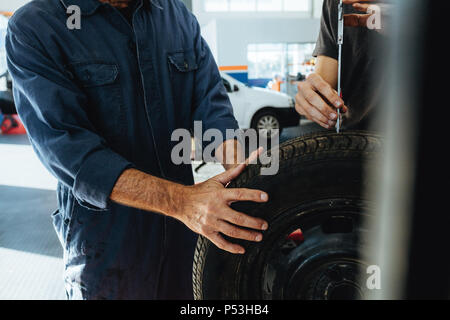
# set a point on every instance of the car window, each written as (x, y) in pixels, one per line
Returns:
(227, 85)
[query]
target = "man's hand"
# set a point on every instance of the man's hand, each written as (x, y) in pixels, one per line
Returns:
(361, 20)
(205, 209)
(318, 101)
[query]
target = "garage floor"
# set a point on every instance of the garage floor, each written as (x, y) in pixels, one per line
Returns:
(30, 254)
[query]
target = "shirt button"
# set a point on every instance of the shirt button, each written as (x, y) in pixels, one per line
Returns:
(186, 65)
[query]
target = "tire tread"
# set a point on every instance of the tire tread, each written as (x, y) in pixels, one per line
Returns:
(313, 147)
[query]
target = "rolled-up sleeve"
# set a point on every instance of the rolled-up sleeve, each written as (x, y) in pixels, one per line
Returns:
(211, 101)
(52, 109)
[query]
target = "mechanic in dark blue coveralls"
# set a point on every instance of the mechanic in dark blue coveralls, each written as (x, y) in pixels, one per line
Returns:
(99, 104)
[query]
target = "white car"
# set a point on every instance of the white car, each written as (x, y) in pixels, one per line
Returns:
(259, 108)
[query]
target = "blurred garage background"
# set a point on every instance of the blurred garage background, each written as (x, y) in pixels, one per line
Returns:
(262, 48)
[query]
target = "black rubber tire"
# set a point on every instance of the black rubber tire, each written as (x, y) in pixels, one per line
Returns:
(320, 169)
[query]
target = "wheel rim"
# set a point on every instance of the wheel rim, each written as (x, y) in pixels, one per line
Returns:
(325, 265)
(268, 123)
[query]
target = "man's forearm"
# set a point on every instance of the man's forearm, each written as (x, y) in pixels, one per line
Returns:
(139, 190)
(327, 68)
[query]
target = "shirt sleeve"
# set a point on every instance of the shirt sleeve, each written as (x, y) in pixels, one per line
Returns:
(327, 42)
(51, 107)
(211, 102)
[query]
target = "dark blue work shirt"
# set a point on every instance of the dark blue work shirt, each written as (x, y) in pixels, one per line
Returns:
(104, 98)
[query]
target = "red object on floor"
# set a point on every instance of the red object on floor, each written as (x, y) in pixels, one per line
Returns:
(296, 236)
(12, 128)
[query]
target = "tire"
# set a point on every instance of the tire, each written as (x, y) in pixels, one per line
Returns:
(266, 114)
(312, 249)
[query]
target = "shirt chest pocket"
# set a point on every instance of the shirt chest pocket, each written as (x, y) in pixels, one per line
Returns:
(182, 61)
(101, 84)
(182, 66)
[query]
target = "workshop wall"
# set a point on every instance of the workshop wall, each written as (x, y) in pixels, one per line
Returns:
(229, 38)
(229, 33)
(11, 5)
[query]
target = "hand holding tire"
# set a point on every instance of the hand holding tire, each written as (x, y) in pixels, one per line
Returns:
(319, 192)
(205, 209)
(318, 101)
